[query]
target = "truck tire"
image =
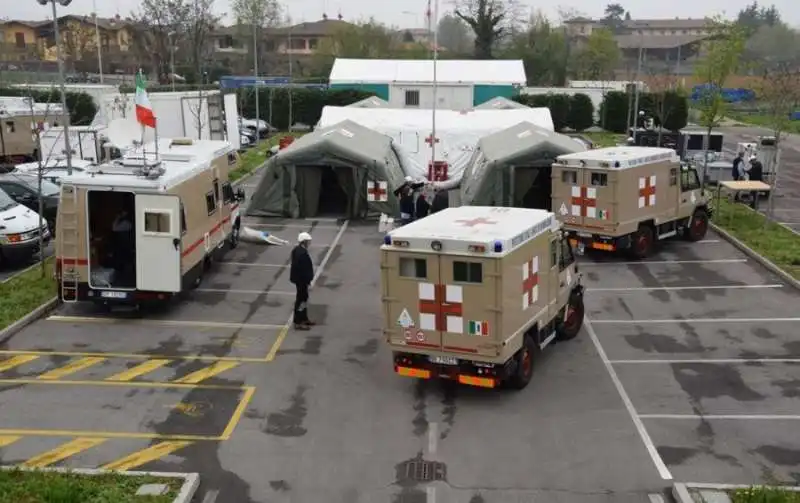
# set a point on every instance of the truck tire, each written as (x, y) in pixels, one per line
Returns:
(642, 242)
(573, 320)
(698, 227)
(524, 369)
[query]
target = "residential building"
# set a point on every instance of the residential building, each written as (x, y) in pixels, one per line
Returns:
(19, 40)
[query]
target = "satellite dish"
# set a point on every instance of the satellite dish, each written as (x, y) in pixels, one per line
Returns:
(123, 132)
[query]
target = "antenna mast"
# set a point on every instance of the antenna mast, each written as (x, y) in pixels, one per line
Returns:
(435, 93)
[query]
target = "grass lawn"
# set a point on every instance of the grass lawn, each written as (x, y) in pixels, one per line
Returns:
(775, 242)
(763, 121)
(24, 293)
(255, 156)
(17, 486)
(764, 495)
(605, 139)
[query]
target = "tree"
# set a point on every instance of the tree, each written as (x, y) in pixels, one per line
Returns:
(543, 49)
(199, 24)
(722, 57)
(772, 43)
(252, 17)
(598, 59)
(161, 24)
(663, 86)
(489, 20)
(753, 17)
(613, 16)
(454, 34)
(77, 40)
(368, 39)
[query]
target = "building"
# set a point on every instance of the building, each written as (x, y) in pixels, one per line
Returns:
(461, 84)
(19, 40)
(667, 44)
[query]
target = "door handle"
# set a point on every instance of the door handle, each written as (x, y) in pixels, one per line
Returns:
(176, 243)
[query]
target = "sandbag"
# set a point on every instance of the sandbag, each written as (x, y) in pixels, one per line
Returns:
(250, 235)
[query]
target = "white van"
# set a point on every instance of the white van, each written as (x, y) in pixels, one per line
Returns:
(19, 231)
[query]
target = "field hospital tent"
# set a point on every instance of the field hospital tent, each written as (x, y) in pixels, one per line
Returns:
(500, 103)
(457, 134)
(344, 170)
(512, 167)
(371, 102)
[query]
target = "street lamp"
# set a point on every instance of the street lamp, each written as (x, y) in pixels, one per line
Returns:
(171, 36)
(63, 3)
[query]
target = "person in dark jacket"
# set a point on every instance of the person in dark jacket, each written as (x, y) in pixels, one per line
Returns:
(301, 274)
(405, 193)
(440, 201)
(422, 208)
(738, 167)
(755, 174)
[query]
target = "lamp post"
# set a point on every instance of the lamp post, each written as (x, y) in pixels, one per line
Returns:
(57, 35)
(171, 36)
(97, 41)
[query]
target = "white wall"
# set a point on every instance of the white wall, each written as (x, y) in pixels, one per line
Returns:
(449, 97)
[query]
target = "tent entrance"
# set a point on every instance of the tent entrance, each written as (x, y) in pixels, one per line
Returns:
(533, 187)
(325, 190)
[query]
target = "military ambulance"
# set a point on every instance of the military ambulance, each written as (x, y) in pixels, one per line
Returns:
(473, 294)
(628, 198)
(145, 227)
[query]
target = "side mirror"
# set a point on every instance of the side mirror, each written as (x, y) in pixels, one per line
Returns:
(240, 195)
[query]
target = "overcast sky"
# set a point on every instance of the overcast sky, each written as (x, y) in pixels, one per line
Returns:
(410, 13)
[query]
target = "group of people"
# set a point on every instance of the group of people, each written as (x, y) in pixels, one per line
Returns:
(414, 203)
(751, 169)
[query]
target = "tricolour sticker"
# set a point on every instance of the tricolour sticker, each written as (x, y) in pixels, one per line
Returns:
(405, 320)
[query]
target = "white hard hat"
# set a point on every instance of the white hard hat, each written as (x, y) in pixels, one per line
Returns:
(303, 236)
(409, 179)
(752, 157)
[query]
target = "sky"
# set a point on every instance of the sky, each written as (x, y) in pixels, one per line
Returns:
(410, 13)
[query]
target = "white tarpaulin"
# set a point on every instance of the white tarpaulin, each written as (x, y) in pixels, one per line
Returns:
(457, 132)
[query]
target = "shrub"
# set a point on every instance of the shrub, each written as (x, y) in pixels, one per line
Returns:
(82, 108)
(581, 112)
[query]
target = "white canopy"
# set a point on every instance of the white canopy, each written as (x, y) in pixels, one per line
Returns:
(420, 71)
(457, 132)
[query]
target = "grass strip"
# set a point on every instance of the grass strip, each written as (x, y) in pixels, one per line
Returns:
(18, 486)
(604, 138)
(761, 494)
(255, 156)
(773, 241)
(764, 121)
(25, 292)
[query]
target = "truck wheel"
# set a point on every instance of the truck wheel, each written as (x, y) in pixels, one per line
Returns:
(642, 242)
(524, 369)
(573, 319)
(699, 226)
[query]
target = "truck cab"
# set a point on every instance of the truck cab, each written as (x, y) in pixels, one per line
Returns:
(473, 294)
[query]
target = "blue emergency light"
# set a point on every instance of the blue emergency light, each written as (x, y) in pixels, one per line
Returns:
(498, 246)
(387, 239)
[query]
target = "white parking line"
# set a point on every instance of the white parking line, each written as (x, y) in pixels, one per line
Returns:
(248, 264)
(717, 361)
(433, 436)
(673, 288)
(289, 226)
(695, 320)
(242, 292)
(648, 442)
(734, 417)
(155, 322)
(649, 262)
(707, 241)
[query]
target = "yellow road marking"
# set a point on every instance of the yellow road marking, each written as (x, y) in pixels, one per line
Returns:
(63, 451)
(8, 439)
(138, 370)
(147, 455)
(137, 356)
(277, 344)
(237, 414)
(16, 361)
(71, 368)
(206, 373)
(107, 434)
(166, 323)
(139, 384)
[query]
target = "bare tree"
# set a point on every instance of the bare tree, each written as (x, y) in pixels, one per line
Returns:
(200, 22)
(156, 22)
(490, 20)
(662, 83)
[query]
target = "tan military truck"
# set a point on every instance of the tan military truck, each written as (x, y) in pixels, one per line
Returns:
(628, 198)
(18, 130)
(474, 293)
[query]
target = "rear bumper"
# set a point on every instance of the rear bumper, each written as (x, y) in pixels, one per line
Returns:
(598, 242)
(111, 296)
(484, 375)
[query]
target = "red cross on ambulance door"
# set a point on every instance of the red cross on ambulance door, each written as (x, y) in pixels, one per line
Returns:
(410, 299)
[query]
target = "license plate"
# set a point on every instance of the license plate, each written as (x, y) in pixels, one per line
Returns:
(114, 295)
(444, 360)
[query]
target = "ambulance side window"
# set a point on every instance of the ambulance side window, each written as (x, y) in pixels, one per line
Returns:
(413, 268)
(599, 179)
(227, 193)
(553, 253)
(216, 191)
(183, 219)
(211, 203)
(467, 272)
(570, 177)
(567, 258)
(689, 180)
(673, 177)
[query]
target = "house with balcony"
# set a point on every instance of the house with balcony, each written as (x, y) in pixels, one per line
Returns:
(19, 40)
(80, 40)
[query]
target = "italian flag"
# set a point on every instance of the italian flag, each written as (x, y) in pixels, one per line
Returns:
(479, 328)
(144, 111)
(602, 214)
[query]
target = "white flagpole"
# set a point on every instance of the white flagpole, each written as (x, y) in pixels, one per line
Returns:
(435, 93)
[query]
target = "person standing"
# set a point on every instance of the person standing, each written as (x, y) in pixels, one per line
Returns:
(755, 174)
(738, 165)
(405, 193)
(301, 274)
(440, 200)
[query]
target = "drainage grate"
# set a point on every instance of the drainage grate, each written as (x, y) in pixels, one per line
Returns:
(425, 471)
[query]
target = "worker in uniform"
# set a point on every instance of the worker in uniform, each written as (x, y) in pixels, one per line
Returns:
(301, 274)
(405, 193)
(440, 200)
(755, 174)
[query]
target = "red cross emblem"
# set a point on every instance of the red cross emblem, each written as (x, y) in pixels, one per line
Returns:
(583, 200)
(439, 307)
(374, 190)
(437, 171)
(430, 140)
(476, 221)
(647, 189)
(530, 281)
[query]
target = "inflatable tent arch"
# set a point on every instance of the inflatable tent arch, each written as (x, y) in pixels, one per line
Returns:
(344, 170)
(512, 167)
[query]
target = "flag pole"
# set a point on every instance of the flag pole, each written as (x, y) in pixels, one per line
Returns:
(435, 93)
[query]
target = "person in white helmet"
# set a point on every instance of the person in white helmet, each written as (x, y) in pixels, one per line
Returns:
(405, 193)
(301, 274)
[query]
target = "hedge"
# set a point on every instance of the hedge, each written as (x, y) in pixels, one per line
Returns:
(615, 110)
(82, 108)
(581, 112)
(575, 112)
(307, 104)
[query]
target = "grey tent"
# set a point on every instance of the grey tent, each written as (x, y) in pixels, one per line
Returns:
(500, 103)
(371, 102)
(344, 170)
(512, 167)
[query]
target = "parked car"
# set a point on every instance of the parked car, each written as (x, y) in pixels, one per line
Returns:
(24, 190)
(19, 231)
(263, 127)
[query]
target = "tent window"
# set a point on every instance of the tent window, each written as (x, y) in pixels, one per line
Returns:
(413, 268)
(467, 272)
(570, 177)
(412, 98)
